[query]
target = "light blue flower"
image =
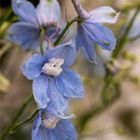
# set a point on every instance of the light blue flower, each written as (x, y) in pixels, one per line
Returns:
(48, 10)
(47, 126)
(53, 82)
(91, 31)
(27, 32)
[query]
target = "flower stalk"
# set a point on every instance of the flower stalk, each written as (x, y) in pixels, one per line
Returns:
(122, 41)
(65, 30)
(16, 117)
(104, 103)
(42, 37)
(23, 123)
(120, 45)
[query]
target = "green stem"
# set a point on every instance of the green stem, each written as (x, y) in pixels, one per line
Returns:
(106, 88)
(5, 48)
(16, 117)
(65, 30)
(42, 36)
(23, 123)
(120, 45)
(134, 38)
(123, 40)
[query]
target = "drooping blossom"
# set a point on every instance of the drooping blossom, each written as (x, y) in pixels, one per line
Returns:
(54, 83)
(91, 31)
(48, 126)
(44, 19)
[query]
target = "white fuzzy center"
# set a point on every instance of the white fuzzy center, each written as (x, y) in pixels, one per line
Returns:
(50, 122)
(53, 67)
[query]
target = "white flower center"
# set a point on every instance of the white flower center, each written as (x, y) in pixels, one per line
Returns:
(50, 122)
(53, 67)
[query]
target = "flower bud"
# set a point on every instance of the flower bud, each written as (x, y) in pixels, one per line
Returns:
(48, 11)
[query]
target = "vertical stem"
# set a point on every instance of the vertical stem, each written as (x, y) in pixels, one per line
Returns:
(5, 48)
(123, 40)
(16, 117)
(106, 89)
(119, 47)
(23, 123)
(42, 37)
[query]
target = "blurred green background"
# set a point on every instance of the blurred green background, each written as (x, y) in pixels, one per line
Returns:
(119, 117)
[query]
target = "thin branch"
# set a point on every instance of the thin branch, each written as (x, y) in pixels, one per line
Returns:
(5, 48)
(123, 40)
(6, 132)
(23, 123)
(42, 37)
(134, 38)
(64, 31)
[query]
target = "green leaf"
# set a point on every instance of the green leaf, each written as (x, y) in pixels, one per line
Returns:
(4, 83)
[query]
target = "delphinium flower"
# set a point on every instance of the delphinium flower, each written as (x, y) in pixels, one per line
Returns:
(53, 82)
(48, 126)
(91, 31)
(37, 25)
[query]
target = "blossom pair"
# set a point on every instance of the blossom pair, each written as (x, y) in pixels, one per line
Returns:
(54, 84)
(47, 15)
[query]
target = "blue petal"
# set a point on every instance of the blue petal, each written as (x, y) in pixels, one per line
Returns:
(48, 12)
(101, 35)
(36, 127)
(38, 131)
(58, 103)
(41, 134)
(24, 34)
(87, 44)
(64, 51)
(33, 67)
(70, 84)
(40, 88)
(104, 14)
(25, 10)
(50, 31)
(63, 115)
(63, 131)
(90, 52)
(79, 37)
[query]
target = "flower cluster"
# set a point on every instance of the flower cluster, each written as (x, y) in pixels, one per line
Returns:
(54, 83)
